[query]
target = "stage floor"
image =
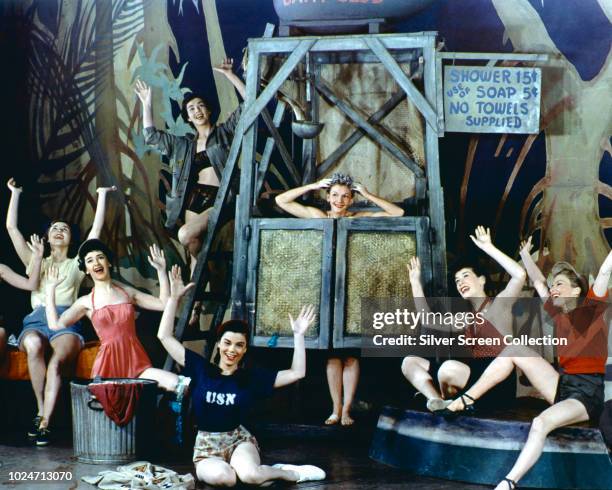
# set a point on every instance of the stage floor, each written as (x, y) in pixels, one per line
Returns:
(347, 466)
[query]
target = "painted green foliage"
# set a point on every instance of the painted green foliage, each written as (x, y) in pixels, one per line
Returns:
(85, 123)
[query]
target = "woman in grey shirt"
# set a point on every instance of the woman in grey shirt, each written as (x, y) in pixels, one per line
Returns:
(197, 162)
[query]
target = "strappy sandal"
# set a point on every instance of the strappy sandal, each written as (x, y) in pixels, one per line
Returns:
(468, 409)
(511, 483)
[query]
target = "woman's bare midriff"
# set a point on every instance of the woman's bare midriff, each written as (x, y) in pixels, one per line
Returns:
(208, 176)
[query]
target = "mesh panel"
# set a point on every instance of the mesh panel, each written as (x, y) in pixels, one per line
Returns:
(289, 276)
(376, 268)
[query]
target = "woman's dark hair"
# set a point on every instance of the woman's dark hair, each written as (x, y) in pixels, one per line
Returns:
(235, 326)
(576, 280)
(93, 245)
(342, 179)
(468, 264)
(189, 98)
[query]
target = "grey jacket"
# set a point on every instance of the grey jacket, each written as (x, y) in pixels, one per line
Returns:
(181, 150)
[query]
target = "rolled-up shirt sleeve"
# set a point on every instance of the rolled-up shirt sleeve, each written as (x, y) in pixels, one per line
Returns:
(230, 124)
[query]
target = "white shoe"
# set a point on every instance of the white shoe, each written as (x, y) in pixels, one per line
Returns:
(306, 472)
(435, 404)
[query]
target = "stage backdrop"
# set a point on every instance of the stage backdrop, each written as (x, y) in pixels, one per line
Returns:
(72, 122)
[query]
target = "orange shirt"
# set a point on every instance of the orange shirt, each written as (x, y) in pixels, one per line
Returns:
(586, 331)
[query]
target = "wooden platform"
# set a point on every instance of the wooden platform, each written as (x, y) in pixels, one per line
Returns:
(482, 450)
(14, 366)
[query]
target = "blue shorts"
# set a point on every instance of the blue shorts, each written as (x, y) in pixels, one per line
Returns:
(37, 322)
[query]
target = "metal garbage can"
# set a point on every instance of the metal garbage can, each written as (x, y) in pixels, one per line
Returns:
(97, 439)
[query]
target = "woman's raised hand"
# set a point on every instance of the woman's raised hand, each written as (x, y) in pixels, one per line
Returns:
(36, 246)
(525, 247)
(143, 91)
(305, 320)
(177, 287)
(360, 188)
(414, 269)
(53, 277)
(322, 184)
(12, 185)
(225, 67)
(157, 258)
(482, 238)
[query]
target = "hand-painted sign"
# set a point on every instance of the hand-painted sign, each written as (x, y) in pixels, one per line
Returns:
(479, 99)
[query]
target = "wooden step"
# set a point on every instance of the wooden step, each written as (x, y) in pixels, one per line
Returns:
(482, 450)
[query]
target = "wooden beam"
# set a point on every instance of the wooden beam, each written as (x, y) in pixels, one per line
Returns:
(276, 137)
(400, 77)
(435, 190)
(347, 144)
(355, 42)
(493, 56)
(373, 132)
(243, 215)
(257, 105)
(268, 149)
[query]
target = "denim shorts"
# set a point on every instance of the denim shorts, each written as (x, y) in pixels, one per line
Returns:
(37, 322)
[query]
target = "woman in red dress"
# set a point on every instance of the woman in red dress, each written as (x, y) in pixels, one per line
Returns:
(110, 307)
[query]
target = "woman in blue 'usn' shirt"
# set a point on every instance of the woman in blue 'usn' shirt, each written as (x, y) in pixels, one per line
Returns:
(223, 393)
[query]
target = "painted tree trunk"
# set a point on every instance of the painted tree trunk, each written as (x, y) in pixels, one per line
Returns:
(579, 120)
(228, 100)
(107, 161)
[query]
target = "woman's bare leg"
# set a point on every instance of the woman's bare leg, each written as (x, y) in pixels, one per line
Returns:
(34, 346)
(165, 379)
(416, 371)
(66, 348)
(538, 370)
(247, 465)
(350, 379)
(334, 383)
(215, 472)
(560, 414)
(190, 234)
(452, 377)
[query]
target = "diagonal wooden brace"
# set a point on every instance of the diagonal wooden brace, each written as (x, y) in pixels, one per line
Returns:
(254, 109)
(403, 81)
(372, 131)
(347, 144)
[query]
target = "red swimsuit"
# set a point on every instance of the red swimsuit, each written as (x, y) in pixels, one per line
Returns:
(121, 354)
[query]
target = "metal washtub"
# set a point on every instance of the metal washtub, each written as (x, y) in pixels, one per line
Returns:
(97, 439)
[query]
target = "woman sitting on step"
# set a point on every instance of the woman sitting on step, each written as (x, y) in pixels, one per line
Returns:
(342, 372)
(222, 394)
(576, 392)
(439, 382)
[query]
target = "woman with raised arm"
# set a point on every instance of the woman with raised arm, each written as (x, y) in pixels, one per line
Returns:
(36, 338)
(29, 283)
(197, 161)
(342, 373)
(452, 375)
(111, 308)
(576, 391)
(222, 394)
